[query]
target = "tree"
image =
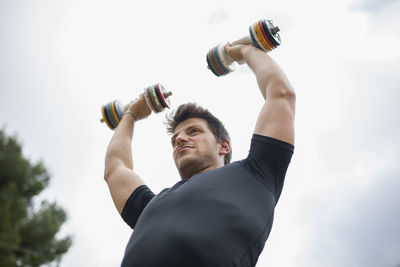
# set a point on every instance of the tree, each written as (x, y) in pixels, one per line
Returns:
(27, 234)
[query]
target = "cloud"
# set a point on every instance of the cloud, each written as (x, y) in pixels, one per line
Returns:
(356, 221)
(218, 16)
(357, 226)
(372, 6)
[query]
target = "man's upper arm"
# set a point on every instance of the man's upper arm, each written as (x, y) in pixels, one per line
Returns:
(122, 182)
(276, 118)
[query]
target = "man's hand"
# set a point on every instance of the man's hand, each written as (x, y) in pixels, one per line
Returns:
(237, 52)
(139, 107)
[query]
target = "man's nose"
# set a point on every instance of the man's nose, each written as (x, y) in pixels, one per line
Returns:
(181, 139)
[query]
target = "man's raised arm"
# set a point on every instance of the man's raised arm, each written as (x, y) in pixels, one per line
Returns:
(276, 118)
(118, 172)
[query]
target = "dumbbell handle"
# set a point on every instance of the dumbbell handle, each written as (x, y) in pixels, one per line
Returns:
(243, 41)
(247, 39)
(166, 94)
(262, 34)
(154, 97)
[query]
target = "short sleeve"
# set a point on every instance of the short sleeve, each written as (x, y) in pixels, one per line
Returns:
(269, 158)
(135, 204)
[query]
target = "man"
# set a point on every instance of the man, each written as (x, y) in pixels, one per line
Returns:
(219, 214)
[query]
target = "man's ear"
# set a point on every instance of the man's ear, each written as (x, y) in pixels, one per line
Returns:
(225, 147)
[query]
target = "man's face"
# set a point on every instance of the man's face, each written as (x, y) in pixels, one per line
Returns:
(195, 148)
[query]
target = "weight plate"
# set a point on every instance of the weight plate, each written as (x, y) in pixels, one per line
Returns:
(260, 38)
(265, 36)
(218, 60)
(114, 112)
(118, 108)
(253, 38)
(214, 63)
(110, 115)
(275, 38)
(160, 95)
(210, 66)
(109, 119)
(154, 100)
(148, 101)
(218, 52)
(105, 117)
(164, 97)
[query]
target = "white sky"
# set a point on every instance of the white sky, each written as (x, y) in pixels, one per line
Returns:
(61, 60)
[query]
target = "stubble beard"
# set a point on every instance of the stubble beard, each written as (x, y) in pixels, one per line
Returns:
(193, 164)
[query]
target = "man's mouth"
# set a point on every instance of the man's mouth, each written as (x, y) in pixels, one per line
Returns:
(182, 149)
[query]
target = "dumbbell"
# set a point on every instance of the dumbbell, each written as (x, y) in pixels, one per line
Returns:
(156, 99)
(263, 34)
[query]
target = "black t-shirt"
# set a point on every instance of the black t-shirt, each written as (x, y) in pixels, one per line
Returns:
(220, 217)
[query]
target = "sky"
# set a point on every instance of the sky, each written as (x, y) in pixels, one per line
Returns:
(61, 60)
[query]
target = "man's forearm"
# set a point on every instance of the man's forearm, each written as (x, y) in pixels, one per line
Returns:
(119, 152)
(271, 80)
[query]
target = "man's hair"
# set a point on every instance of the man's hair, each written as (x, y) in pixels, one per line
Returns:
(192, 110)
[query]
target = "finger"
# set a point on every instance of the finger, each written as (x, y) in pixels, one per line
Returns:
(227, 47)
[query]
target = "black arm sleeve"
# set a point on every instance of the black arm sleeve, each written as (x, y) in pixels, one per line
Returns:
(270, 159)
(135, 205)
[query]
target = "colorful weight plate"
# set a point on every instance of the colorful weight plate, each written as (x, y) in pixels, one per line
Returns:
(257, 37)
(214, 63)
(218, 61)
(219, 52)
(275, 38)
(114, 112)
(105, 117)
(262, 38)
(253, 38)
(118, 108)
(160, 96)
(165, 96)
(214, 55)
(153, 98)
(152, 106)
(146, 97)
(210, 67)
(265, 36)
(158, 103)
(110, 115)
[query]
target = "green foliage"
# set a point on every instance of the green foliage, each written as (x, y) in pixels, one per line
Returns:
(27, 236)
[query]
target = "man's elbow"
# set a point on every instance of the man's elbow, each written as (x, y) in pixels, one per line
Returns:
(112, 165)
(281, 89)
(109, 172)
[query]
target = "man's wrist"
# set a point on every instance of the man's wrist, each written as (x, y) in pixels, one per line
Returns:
(135, 118)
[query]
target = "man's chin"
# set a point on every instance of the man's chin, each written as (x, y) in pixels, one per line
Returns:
(184, 161)
(187, 166)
